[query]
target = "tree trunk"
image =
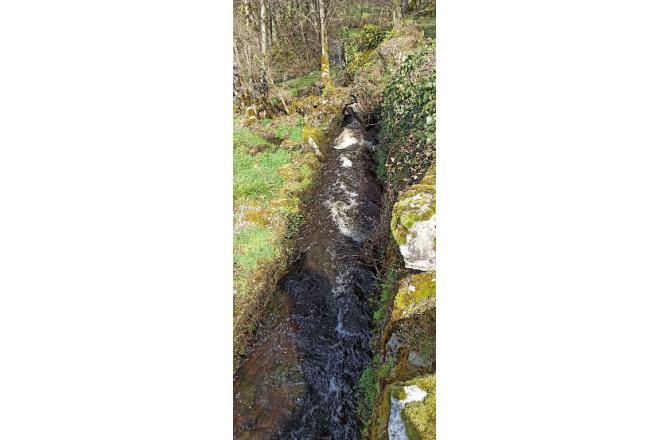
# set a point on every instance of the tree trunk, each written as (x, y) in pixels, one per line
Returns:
(247, 14)
(263, 28)
(396, 12)
(263, 49)
(324, 43)
(404, 7)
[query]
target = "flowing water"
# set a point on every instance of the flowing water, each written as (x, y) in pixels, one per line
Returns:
(299, 380)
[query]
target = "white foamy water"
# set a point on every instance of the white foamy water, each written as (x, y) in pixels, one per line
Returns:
(341, 213)
(345, 139)
(345, 162)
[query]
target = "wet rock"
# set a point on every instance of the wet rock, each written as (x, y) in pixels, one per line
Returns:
(414, 223)
(412, 328)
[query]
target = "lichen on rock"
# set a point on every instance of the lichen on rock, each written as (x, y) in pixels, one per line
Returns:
(416, 294)
(414, 223)
(419, 417)
(409, 410)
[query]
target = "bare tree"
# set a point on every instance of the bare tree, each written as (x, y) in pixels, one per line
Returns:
(324, 44)
(263, 28)
(247, 14)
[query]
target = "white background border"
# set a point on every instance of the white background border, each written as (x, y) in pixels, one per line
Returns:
(115, 224)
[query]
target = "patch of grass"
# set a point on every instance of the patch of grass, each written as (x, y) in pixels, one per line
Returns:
(243, 137)
(253, 244)
(256, 177)
(302, 85)
(293, 131)
(387, 288)
(268, 182)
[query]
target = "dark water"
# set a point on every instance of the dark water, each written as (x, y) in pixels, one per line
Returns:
(299, 381)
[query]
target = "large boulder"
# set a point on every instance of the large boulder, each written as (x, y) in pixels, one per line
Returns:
(412, 328)
(416, 294)
(414, 223)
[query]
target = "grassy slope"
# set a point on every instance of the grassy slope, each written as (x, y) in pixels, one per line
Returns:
(271, 171)
(260, 171)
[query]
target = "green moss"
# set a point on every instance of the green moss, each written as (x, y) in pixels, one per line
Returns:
(304, 105)
(416, 203)
(250, 116)
(415, 293)
(286, 205)
(420, 417)
(314, 133)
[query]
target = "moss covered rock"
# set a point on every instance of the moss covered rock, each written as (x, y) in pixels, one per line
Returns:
(419, 417)
(416, 294)
(407, 410)
(315, 138)
(414, 223)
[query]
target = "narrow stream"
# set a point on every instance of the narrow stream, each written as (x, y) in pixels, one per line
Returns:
(299, 380)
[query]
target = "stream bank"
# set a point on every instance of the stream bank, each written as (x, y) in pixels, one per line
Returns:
(300, 378)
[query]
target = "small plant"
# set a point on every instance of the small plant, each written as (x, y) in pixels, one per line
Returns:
(369, 387)
(387, 288)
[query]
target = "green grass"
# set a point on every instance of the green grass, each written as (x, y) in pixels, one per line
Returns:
(256, 176)
(243, 137)
(253, 244)
(260, 179)
(293, 131)
(301, 84)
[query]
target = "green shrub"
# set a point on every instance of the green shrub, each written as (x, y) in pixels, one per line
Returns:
(365, 39)
(409, 116)
(370, 37)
